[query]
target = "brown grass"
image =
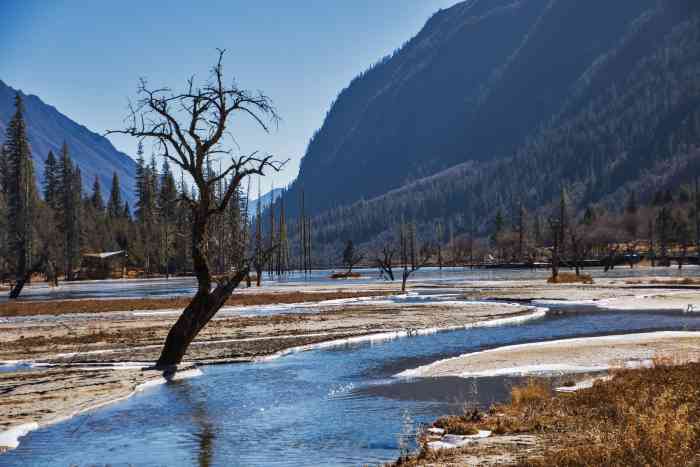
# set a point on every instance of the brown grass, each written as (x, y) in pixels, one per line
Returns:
(346, 275)
(679, 281)
(457, 425)
(570, 278)
(640, 417)
(59, 307)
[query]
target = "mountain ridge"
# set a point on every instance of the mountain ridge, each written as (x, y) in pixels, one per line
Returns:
(625, 117)
(48, 128)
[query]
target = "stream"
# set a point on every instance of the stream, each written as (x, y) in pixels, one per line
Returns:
(334, 406)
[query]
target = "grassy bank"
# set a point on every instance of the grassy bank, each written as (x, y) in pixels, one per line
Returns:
(639, 417)
(60, 307)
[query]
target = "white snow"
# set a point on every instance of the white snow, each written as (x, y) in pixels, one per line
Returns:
(585, 384)
(10, 438)
(457, 441)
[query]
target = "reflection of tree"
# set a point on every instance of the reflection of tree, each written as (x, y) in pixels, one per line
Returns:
(206, 442)
(200, 419)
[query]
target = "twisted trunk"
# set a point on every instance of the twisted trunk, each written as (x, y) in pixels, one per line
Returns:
(205, 303)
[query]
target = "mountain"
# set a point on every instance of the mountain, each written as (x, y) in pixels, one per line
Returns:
(48, 129)
(264, 200)
(499, 102)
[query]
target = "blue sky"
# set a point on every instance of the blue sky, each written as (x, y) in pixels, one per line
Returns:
(85, 57)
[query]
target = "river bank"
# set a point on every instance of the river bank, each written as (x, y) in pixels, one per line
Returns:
(646, 416)
(59, 365)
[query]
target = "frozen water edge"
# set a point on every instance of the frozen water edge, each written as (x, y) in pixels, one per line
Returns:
(10, 438)
(553, 368)
(536, 313)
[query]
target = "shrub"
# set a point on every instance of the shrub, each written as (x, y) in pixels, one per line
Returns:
(570, 278)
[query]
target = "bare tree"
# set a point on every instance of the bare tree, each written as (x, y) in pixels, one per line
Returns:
(580, 245)
(351, 256)
(385, 259)
(413, 257)
(189, 129)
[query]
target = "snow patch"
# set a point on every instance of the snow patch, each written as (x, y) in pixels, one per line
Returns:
(585, 384)
(10, 438)
(457, 441)
(186, 374)
(530, 370)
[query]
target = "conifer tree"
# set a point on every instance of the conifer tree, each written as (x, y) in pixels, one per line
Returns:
(21, 198)
(96, 198)
(115, 206)
(167, 210)
(68, 203)
(51, 181)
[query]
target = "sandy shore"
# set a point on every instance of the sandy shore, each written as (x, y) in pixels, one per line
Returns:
(578, 355)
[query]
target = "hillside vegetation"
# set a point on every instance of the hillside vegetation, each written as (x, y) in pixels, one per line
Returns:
(509, 103)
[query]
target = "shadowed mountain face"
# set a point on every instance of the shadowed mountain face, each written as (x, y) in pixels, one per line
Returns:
(500, 101)
(48, 129)
(472, 85)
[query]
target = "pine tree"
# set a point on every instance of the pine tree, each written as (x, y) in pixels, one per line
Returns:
(51, 181)
(68, 203)
(115, 206)
(167, 206)
(96, 198)
(21, 197)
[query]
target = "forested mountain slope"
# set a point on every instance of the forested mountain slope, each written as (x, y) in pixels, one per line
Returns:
(472, 85)
(601, 97)
(48, 129)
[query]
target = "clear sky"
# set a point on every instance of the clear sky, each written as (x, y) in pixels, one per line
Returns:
(85, 57)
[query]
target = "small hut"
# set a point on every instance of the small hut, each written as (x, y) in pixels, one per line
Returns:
(106, 265)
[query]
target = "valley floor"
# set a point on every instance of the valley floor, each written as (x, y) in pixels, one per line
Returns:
(63, 357)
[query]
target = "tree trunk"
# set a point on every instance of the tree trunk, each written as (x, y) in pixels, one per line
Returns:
(24, 278)
(205, 303)
(198, 313)
(19, 285)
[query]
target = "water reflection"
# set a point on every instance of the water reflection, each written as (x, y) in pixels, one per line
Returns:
(193, 398)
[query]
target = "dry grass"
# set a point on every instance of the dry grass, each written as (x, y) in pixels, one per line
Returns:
(60, 307)
(570, 278)
(346, 275)
(648, 417)
(679, 281)
(459, 424)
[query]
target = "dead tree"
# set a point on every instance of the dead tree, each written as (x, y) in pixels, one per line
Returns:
(385, 260)
(554, 228)
(580, 247)
(413, 257)
(351, 256)
(188, 129)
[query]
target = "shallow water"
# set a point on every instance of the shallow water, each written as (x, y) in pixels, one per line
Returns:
(338, 406)
(160, 287)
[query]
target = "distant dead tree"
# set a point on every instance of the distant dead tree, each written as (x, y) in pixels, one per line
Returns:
(351, 256)
(413, 256)
(580, 245)
(385, 260)
(189, 129)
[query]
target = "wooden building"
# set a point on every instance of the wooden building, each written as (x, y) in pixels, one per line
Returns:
(106, 265)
